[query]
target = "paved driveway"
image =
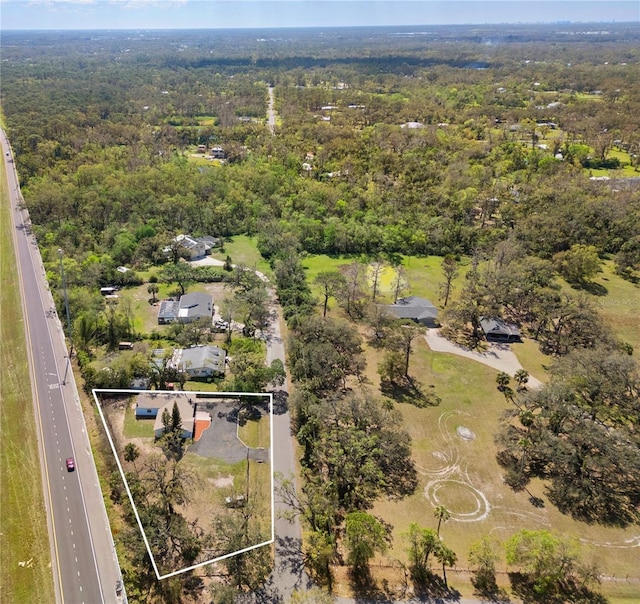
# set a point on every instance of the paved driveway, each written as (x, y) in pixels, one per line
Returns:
(498, 356)
(220, 440)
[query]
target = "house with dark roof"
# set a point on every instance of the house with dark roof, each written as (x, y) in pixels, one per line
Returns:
(497, 330)
(415, 308)
(168, 312)
(200, 361)
(190, 307)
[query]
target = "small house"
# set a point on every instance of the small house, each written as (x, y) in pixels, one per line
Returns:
(152, 405)
(200, 361)
(415, 308)
(497, 330)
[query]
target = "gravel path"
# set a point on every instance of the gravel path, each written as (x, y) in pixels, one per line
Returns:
(498, 356)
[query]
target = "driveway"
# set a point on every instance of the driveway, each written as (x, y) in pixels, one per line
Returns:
(220, 440)
(498, 356)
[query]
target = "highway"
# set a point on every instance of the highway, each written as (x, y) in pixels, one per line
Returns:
(84, 563)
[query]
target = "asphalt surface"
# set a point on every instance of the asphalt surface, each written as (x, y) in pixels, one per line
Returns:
(84, 564)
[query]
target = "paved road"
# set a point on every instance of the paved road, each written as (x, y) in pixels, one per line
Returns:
(84, 565)
(289, 572)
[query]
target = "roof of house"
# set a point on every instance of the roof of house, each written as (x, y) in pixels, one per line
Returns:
(208, 241)
(495, 325)
(187, 241)
(413, 307)
(185, 407)
(200, 357)
(195, 304)
(152, 400)
(168, 310)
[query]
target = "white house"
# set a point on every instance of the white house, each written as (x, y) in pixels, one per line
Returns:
(200, 361)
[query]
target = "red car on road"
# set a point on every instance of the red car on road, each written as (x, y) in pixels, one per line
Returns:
(71, 465)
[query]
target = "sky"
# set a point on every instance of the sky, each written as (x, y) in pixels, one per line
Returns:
(204, 14)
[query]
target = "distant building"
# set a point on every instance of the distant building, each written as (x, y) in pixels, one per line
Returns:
(192, 248)
(415, 308)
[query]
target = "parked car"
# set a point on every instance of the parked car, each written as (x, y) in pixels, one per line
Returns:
(71, 464)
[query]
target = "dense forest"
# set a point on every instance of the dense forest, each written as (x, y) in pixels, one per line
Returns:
(511, 151)
(100, 125)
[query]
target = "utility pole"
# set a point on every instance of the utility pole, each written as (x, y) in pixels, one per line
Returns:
(66, 307)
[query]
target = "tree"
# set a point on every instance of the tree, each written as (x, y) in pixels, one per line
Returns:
(179, 273)
(153, 289)
(579, 264)
(575, 433)
(422, 543)
(131, 453)
(400, 282)
(402, 338)
(353, 295)
(331, 283)
(376, 269)
(522, 377)
(503, 379)
(483, 556)
(442, 514)
(392, 368)
(324, 352)
(447, 557)
(450, 271)
(365, 535)
(550, 569)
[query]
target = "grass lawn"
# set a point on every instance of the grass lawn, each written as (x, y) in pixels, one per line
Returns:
(243, 250)
(256, 433)
(464, 476)
(135, 428)
(25, 538)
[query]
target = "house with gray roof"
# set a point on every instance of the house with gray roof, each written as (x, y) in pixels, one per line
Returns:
(153, 404)
(415, 308)
(190, 307)
(200, 361)
(497, 330)
(196, 305)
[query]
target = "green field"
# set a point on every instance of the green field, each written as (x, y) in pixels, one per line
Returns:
(25, 560)
(243, 250)
(464, 475)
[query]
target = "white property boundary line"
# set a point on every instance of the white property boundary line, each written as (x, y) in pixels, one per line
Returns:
(210, 396)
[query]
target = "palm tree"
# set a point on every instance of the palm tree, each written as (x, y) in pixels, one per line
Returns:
(447, 557)
(503, 379)
(522, 377)
(442, 514)
(153, 289)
